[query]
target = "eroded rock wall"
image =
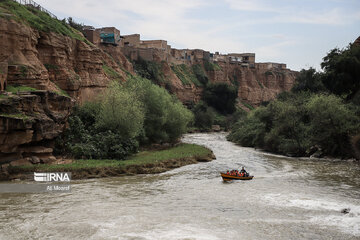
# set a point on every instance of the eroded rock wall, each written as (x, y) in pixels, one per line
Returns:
(254, 85)
(29, 123)
(50, 61)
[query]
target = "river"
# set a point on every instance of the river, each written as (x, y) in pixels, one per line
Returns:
(288, 198)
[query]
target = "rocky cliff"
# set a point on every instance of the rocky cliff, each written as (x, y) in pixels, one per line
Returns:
(62, 62)
(56, 65)
(49, 61)
(29, 123)
(255, 85)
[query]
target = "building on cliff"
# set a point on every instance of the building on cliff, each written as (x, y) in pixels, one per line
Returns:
(109, 35)
(132, 40)
(150, 50)
(270, 65)
(92, 35)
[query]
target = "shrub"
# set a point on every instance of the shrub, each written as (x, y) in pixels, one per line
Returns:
(210, 66)
(204, 116)
(150, 70)
(308, 80)
(200, 74)
(186, 74)
(221, 96)
(294, 123)
(165, 116)
(121, 111)
(332, 122)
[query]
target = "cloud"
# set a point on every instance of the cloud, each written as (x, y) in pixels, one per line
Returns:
(288, 12)
(253, 5)
(261, 26)
(332, 17)
(273, 51)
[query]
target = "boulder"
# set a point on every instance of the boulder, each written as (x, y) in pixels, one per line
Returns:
(216, 128)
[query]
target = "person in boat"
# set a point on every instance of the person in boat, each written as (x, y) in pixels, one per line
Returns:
(243, 172)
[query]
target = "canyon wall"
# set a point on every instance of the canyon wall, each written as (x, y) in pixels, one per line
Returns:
(65, 71)
(50, 61)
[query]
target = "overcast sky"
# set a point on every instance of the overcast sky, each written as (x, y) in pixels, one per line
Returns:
(296, 32)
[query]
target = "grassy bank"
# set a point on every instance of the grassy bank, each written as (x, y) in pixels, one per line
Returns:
(143, 162)
(37, 19)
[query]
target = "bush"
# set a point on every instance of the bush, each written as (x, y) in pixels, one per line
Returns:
(165, 116)
(294, 123)
(83, 139)
(200, 74)
(308, 80)
(332, 123)
(342, 71)
(121, 111)
(221, 96)
(150, 70)
(204, 116)
(186, 74)
(249, 131)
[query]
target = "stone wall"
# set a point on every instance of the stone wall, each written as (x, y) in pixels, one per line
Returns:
(132, 40)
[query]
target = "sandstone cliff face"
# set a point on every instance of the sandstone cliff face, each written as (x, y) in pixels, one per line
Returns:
(185, 93)
(50, 61)
(29, 123)
(254, 85)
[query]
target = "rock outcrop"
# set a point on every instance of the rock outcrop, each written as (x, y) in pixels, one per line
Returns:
(52, 62)
(49, 61)
(29, 123)
(254, 85)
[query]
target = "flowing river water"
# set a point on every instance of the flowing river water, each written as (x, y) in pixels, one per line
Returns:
(288, 199)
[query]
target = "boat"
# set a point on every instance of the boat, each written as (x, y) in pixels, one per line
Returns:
(228, 177)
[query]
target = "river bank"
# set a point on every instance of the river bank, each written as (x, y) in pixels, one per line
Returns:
(145, 162)
(289, 198)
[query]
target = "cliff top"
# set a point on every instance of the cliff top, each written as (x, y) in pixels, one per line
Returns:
(37, 19)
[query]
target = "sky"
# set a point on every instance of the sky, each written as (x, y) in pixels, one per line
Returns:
(296, 32)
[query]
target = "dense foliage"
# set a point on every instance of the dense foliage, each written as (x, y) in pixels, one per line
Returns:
(295, 123)
(321, 114)
(150, 70)
(220, 96)
(187, 76)
(127, 114)
(342, 71)
(165, 116)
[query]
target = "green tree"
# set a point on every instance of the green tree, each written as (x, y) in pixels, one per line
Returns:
(287, 134)
(250, 131)
(165, 116)
(221, 96)
(342, 71)
(121, 111)
(308, 80)
(332, 123)
(204, 116)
